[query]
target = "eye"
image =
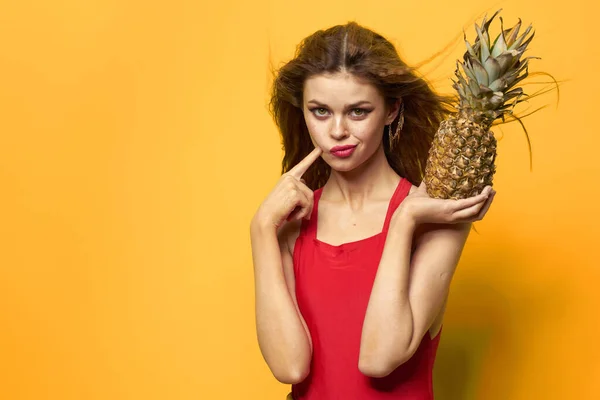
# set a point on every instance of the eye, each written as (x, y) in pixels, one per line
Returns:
(356, 112)
(360, 112)
(319, 111)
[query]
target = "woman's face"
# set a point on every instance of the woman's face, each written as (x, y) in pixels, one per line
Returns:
(345, 117)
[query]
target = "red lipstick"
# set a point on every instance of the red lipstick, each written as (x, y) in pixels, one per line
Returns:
(343, 151)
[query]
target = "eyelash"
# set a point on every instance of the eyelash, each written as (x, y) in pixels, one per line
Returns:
(364, 111)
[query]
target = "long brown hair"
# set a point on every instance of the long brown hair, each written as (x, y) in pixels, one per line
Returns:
(368, 55)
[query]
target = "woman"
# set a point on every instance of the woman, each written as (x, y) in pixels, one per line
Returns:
(352, 259)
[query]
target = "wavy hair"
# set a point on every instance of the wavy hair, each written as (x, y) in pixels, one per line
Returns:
(367, 55)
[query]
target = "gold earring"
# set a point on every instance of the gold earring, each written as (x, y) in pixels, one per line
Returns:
(394, 137)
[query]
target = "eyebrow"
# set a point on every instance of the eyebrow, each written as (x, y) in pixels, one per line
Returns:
(353, 105)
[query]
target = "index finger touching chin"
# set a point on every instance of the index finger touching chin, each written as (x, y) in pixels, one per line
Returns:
(299, 169)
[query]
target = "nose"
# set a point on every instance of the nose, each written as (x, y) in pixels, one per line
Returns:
(339, 130)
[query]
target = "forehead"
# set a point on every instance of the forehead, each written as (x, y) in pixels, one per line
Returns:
(339, 88)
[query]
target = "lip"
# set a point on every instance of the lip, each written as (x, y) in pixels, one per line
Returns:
(340, 148)
(343, 151)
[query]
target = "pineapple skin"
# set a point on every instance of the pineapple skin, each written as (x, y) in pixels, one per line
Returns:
(461, 159)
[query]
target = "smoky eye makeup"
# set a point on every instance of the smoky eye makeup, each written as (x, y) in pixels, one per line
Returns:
(357, 112)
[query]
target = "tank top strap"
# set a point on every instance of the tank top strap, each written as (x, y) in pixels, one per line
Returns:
(399, 194)
(309, 227)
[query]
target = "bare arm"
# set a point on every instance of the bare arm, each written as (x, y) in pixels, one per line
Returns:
(283, 336)
(410, 291)
(408, 294)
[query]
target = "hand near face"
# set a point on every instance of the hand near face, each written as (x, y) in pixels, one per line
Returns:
(290, 199)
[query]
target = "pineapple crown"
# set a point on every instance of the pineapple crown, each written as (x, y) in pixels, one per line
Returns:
(488, 76)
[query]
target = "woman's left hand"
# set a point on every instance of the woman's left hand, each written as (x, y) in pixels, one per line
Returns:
(422, 209)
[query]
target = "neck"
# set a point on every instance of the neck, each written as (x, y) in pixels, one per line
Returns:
(374, 179)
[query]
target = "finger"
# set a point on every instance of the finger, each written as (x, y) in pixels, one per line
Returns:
(294, 213)
(303, 212)
(298, 195)
(488, 189)
(469, 212)
(309, 195)
(466, 215)
(299, 169)
(302, 206)
(486, 206)
(469, 202)
(472, 213)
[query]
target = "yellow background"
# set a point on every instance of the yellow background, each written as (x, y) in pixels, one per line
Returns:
(136, 145)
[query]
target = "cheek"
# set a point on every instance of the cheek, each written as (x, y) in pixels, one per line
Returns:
(368, 134)
(317, 132)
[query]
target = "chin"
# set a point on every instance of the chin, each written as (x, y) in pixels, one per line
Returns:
(342, 165)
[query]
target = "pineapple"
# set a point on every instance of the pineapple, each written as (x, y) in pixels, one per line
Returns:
(461, 160)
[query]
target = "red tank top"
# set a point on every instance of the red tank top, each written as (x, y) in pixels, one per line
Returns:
(333, 285)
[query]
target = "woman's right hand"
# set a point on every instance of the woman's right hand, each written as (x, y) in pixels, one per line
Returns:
(290, 199)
